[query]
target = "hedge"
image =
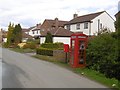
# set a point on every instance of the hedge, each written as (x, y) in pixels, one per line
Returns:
(52, 45)
(44, 51)
(102, 55)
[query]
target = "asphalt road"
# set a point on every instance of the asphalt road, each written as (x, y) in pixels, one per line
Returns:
(23, 71)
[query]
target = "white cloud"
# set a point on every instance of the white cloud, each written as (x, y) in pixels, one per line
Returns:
(31, 12)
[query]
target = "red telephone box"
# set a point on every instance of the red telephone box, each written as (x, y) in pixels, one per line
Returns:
(78, 50)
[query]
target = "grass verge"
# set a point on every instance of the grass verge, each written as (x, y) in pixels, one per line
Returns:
(23, 50)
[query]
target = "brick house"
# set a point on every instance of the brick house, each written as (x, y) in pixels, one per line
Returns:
(56, 28)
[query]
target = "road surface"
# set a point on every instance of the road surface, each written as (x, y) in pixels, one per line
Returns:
(23, 71)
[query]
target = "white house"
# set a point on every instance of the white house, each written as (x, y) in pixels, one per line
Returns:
(25, 37)
(33, 31)
(3, 36)
(91, 24)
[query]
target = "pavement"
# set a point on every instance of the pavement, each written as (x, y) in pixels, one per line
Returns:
(22, 71)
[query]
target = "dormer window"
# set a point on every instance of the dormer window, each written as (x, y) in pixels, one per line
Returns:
(86, 25)
(78, 26)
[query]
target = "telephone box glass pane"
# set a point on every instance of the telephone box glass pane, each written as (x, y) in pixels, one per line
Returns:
(81, 51)
(72, 51)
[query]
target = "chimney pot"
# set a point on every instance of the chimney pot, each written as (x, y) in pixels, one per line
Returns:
(75, 15)
(56, 22)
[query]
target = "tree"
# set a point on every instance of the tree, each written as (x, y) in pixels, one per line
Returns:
(10, 34)
(17, 34)
(48, 38)
(117, 24)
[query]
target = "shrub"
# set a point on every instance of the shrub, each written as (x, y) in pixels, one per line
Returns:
(37, 41)
(102, 54)
(52, 45)
(48, 38)
(44, 51)
(5, 45)
(30, 40)
(21, 45)
(47, 48)
(29, 45)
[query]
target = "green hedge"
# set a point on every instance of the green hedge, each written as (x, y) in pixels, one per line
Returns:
(52, 45)
(47, 48)
(44, 51)
(102, 55)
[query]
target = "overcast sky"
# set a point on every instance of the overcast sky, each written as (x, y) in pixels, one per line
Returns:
(30, 12)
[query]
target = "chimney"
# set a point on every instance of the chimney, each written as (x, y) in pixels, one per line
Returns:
(56, 23)
(75, 15)
(37, 24)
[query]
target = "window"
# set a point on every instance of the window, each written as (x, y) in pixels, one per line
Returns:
(68, 27)
(33, 32)
(78, 26)
(37, 31)
(100, 25)
(86, 25)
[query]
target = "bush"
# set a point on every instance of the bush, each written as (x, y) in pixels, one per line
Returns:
(49, 38)
(5, 45)
(21, 45)
(29, 45)
(44, 51)
(102, 55)
(37, 41)
(47, 48)
(52, 45)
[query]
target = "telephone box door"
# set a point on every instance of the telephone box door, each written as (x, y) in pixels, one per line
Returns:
(81, 55)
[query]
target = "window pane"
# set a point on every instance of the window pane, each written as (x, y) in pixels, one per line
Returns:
(78, 26)
(85, 25)
(68, 27)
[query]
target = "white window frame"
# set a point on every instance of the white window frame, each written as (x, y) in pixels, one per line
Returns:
(86, 25)
(78, 26)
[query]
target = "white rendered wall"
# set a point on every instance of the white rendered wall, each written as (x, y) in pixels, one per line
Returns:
(85, 31)
(35, 33)
(65, 40)
(42, 40)
(106, 21)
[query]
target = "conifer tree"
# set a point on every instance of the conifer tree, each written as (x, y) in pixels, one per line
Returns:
(48, 38)
(10, 34)
(17, 32)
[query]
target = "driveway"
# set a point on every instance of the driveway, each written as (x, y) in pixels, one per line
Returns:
(23, 71)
